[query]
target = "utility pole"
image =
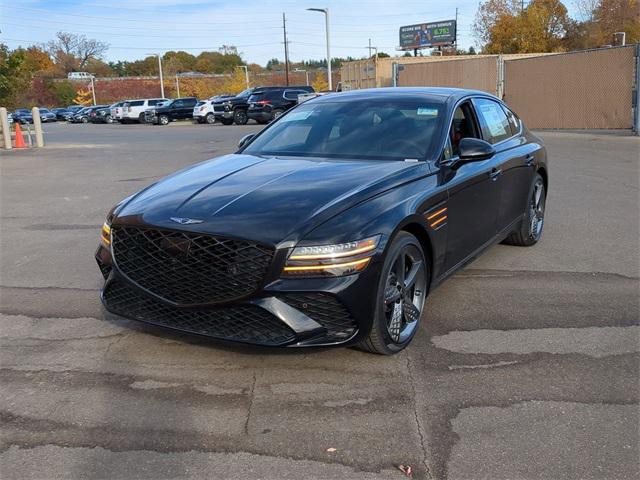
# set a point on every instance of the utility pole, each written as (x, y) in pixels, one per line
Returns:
(369, 48)
(286, 50)
(93, 90)
(160, 69)
(177, 85)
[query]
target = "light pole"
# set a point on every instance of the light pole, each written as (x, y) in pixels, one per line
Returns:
(326, 16)
(160, 70)
(306, 73)
(246, 74)
(93, 90)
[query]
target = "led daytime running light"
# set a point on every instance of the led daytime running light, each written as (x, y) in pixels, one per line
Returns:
(334, 251)
(105, 234)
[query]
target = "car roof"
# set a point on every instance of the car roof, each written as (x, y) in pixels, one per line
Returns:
(435, 94)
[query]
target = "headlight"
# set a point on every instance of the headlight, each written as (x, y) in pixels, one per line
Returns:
(105, 234)
(331, 260)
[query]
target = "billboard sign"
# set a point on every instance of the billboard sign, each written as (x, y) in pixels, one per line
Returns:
(424, 35)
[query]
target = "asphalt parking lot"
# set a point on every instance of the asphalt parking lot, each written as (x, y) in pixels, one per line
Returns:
(526, 365)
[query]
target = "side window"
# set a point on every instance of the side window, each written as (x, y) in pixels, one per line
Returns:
(137, 103)
(177, 104)
(292, 94)
(514, 121)
(462, 126)
(493, 121)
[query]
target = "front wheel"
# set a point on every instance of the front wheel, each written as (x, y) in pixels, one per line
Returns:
(163, 120)
(530, 229)
(210, 118)
(240, 117)
(402, 289)
(85, 120)
(108, 119)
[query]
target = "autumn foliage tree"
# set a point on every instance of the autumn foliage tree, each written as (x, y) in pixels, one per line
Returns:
(507, 26)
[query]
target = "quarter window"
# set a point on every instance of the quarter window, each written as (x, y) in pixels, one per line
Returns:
(493, 121)
(514, 121)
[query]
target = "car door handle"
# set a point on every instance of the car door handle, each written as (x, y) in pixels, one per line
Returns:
(495, 173)
(528, 160)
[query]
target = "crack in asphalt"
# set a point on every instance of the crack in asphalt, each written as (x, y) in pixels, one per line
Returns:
(251, 397)
(416, 417)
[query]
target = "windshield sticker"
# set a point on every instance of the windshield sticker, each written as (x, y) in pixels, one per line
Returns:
(431, 112)
(297, 116)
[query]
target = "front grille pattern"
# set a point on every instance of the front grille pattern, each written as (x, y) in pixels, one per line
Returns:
(241, 323)
(189, 268)
(325, 309)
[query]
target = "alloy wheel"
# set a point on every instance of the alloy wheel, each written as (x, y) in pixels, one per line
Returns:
(405, 293)
(536, 207)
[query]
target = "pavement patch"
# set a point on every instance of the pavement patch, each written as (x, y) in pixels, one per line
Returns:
(595, 342)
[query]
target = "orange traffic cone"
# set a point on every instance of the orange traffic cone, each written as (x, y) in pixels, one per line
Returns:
(19, 138)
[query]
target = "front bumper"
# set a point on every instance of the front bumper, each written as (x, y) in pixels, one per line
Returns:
(281, 313)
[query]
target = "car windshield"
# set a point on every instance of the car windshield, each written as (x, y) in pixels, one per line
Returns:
(245, 93)
(371, 130)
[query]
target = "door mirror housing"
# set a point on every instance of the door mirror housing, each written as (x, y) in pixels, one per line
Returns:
(246, 140)
(474, 150)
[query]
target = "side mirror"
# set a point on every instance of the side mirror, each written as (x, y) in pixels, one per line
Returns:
(246, 140)
(474, 149)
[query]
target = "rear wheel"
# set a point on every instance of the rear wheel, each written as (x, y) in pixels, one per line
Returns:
(530, 229)
(240, 117)
(210, 118)
(402, 289)
(277, 113)
(163, 120)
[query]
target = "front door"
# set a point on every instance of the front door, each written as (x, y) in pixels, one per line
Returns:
(472, 207)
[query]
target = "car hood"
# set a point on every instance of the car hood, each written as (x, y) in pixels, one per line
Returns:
(270, 200)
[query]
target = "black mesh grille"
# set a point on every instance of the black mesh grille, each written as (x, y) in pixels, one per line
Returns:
(189, 268)
(326, 310)
(243, 323)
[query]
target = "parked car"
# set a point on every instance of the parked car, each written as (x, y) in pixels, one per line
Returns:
(93, 112)
(10, 118)
(79, 76)
(133, 110)
(203, 111)
(47, 115)
(235, 109)
(72, 109)
(357, 204)
(83, 115)
(267, 105)
(103, 115)
(117, 111)
(61, 113)
(178, 109)
(22, 115)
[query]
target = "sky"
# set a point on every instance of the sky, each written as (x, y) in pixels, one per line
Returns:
(135, 29)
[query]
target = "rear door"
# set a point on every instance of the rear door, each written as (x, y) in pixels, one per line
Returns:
(187, 110)
(513, 155)
(472, 208)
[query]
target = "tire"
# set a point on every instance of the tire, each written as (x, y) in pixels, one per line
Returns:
(399, 299)
(530, 229)
(240, 117)
(108, 119)
(277, 113)
(210, 118)
(163, 120)
(85, 120)
(227, 121)
(141, 118)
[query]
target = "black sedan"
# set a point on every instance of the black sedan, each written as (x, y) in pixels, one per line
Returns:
(330, 226)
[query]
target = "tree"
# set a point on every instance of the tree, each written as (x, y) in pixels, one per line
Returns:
(235, 83)
(502, 26)
(72, 51)
(83, 97)
(320, 84)
(610, 16)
